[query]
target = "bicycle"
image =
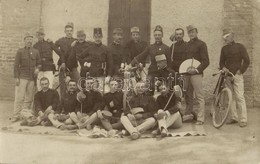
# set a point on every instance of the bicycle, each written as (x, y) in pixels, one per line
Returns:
(222, 100)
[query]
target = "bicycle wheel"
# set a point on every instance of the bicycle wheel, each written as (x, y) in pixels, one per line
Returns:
(221, 106)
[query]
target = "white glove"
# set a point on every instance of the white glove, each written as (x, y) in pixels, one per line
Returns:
(122, 65)
(107, 79)
(87, 64)
(67, 79)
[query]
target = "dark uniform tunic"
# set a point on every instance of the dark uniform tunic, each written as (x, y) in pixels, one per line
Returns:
(197, 49)
(178, 55)
(43, 100)
(118, 53)
(234, 57)
(64, 44)
(114, 102)
(152, 51)
(69, 103)
(134, 49)
(100, 58)
(75, 56)
(26, 60)
(171, 107)
(46, 52)
(92, 102)
(146, 102)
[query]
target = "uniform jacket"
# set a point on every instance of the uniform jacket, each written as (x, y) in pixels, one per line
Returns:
(234, 57)
(69, 103)
(197, 49)
(133, 49)
(118, 53)
(92, 103)
(163, 99)
(98, 56)
(178, 55)
(46, 52)
(152, 51)
(114, 102)
(64, 44)
(146, 102)
(75, 57)
(43, 100)
(26, 60)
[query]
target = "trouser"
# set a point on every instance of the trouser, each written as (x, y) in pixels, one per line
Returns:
(238, 105)
(109, 125)
(140, 125)
(171, 121)
(49, 75)
(195, 85)
(54, 122)
(23, 98)
(74, 75)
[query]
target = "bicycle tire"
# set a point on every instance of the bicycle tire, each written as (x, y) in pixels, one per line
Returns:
(217, 108)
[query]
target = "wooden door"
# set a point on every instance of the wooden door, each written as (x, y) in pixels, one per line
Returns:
(128, 13)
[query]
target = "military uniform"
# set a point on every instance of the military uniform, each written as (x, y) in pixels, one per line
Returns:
(26, 60)
(197, 49)
(118, 53)
(100, 58)
(75, 57)
(134, 49)
(147, 103)
(235, 58)
(64, 44)
(178, 55)
(46, 52)
(69, 103)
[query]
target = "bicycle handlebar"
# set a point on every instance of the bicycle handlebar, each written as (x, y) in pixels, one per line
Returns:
(221, 71)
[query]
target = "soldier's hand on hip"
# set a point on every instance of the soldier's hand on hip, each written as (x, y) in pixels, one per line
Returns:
(192, 71)
(17, 81)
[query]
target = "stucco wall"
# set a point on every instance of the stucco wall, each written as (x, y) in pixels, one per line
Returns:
(207, 15)
(84, 14)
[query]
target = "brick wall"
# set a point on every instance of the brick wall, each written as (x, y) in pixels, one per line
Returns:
(16, 18)
(256, 52)
(238, 15)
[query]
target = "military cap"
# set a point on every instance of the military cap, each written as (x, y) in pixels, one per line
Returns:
(137, 110)
(69, 24)
(40, 31)
(117, 31)
(81, 33)
(191, 27)
(27, 34)
(135, 29)
(158, 28)
(227, 32)
(160, 57)
(98, 31)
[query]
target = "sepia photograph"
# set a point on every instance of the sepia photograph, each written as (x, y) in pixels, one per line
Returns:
(130, 81)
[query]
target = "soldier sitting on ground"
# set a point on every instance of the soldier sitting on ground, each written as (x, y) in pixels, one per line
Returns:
(46, 102)
(168, 115)
(140, 117)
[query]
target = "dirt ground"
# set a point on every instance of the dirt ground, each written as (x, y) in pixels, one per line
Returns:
(230, 144)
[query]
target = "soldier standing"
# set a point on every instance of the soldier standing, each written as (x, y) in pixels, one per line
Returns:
(64, 44)
(26, 68)
(46, 49)
(97, 59)
(196, 49)
(158, 48)
(78, 46)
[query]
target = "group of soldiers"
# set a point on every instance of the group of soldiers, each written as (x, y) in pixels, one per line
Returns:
(81, 104)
